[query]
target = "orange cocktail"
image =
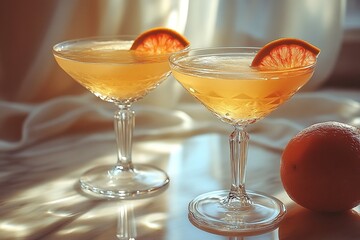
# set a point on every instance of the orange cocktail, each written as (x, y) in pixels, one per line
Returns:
(239, 93)
(113, 72)
(122, 70)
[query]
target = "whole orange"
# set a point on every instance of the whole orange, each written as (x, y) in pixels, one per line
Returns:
(320, 167)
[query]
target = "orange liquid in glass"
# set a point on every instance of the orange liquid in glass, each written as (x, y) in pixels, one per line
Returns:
(234, 91)
(112, 72)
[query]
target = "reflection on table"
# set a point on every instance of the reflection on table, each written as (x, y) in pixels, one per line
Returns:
(43, 201)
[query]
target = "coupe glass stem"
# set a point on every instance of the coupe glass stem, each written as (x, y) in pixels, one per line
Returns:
(238, 140)
(124, 121)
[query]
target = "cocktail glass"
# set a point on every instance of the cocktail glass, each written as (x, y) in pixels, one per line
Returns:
(223, 81)
(108, 69)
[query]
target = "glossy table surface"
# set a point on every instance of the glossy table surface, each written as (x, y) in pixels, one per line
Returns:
(43, 201)
(40, 196)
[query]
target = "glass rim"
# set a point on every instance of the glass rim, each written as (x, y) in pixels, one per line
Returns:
(59, 47)
(230, 51)
(105, 38)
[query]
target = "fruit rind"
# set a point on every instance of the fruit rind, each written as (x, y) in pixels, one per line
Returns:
(320, 167)
(166, 35)
(276, 54)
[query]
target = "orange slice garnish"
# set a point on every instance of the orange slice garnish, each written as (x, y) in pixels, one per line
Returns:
(285, 53)
(159, 41)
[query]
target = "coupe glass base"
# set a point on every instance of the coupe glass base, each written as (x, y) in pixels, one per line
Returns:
(210, 213)
(112, 182)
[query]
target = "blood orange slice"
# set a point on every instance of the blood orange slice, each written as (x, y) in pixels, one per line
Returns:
(159, 41)
(285, 53)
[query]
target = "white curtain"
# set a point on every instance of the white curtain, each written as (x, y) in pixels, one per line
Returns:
(39, 101)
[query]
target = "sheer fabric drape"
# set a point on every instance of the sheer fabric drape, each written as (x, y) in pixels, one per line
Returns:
(39, 102)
